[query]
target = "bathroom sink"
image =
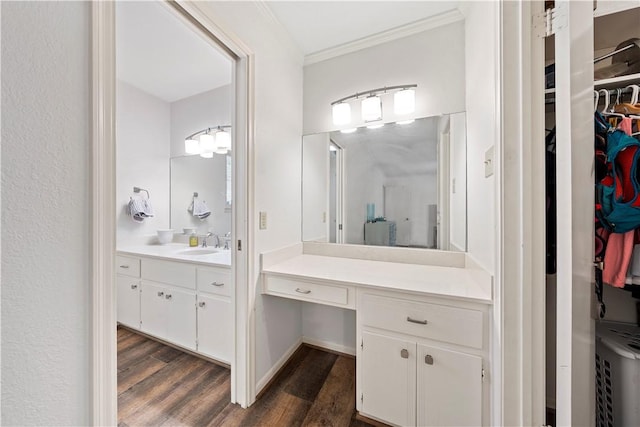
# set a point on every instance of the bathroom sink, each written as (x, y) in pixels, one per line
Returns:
(198, 251)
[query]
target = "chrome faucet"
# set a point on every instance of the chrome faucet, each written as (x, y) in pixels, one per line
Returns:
(204, 239)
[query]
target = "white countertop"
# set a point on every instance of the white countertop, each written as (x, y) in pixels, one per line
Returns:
(454, 282)
(174, 252)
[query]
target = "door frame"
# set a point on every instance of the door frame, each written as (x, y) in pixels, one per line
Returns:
(103, 228)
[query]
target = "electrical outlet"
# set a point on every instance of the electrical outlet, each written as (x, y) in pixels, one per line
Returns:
(263, 220)
(489, 162)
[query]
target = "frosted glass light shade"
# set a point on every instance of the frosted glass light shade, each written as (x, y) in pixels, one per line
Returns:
(207, 144)
(191, 146)
(404, 101)
(341, 113)
(223, 140)
(221, 150)
(207, 155)
(371, 109)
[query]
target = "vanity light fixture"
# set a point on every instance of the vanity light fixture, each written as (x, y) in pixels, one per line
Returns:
(208, 141)
(405, 122)
(376, 126)
(351, 130)
(404, 103)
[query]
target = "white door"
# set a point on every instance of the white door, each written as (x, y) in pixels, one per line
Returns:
(214, 327)
(397, 207)
(449, 388)
(575, 361)
(389, 378)
(180, 310)
(153, 312)
(128, 291)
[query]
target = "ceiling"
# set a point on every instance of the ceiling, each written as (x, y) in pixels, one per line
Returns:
(320, 25)
(158, 54)
(397, 150)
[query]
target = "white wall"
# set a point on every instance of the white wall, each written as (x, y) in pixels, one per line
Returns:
(142, 158)
(315, 191)
(482, 127)
(192, 114)
(329, 327)
(278, 130)
(433, 59)
(46, 210)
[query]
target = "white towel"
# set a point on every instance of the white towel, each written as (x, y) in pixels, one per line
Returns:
(199, 209)
(139, 209)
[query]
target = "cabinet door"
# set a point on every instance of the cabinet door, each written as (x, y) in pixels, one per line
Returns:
(153, 312)
(388, 378)
(128, 301)
(215, 327)
(449, 388)
(181, 317)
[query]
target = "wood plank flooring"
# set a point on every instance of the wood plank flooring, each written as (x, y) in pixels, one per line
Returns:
(159, 385)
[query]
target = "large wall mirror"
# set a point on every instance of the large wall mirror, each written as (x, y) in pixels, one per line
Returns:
(398, 185)
(207, 180)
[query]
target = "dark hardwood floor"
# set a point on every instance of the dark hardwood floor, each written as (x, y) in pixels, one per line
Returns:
(159, 385)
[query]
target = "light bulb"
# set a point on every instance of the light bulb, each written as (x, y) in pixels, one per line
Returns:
(222, 150)
(341, 113)
(191, 146)
(405, 122)
(207, 154)
(404, 101)
(371, 109)
(351, 130)
(207, 144)
(223, 140)
(378, 126)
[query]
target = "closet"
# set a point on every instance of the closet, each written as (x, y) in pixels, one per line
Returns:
(592, 331)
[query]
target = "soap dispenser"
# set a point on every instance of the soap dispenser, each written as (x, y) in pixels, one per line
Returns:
(193, 240)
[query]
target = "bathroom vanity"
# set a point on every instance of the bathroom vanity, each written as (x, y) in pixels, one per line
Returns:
(178, 294)
(422, 322)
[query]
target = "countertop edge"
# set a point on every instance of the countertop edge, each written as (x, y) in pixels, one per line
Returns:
(171, 258)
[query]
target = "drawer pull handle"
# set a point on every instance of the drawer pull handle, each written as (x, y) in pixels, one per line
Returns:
(217, 284)
(167, 296)
(134, 286)
(160, 294)
(201, 304)
(419, 322)
(303, 291)
(124, 266)
(428, 359)
(404, 353)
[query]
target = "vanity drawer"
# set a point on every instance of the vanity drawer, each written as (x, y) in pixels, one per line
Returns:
(173, 273)
(439, 322)
(128, 266)
(340, 296)
(214, 281)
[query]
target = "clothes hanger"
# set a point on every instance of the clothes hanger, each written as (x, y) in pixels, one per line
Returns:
(596, 96)
(632, 107)
(607, 101)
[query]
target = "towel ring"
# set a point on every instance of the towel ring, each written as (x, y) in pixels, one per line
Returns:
(138, 189)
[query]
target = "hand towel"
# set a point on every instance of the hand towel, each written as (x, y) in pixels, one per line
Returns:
(199, 209)
(139, 209)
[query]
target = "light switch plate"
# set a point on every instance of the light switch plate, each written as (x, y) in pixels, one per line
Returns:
(263, 220)
(489, 161)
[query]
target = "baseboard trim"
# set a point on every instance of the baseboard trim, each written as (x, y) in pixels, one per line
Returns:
(329, 346)
(275, 369)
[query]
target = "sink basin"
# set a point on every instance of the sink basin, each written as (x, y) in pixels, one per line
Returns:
(198, 251)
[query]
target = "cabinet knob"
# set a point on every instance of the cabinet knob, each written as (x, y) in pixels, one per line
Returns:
(168, 296)
(160, 294)
(134, 286)
(217, 284)
(404, 353)
(428, 359)
(201, 304)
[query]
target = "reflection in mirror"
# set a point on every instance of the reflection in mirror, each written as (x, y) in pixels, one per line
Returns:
(210, 178)
(398, 185)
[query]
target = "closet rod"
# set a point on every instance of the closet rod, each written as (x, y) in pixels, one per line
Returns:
(623, 91)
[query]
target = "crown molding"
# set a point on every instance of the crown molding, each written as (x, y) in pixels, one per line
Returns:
(386, 36)
(264, 9)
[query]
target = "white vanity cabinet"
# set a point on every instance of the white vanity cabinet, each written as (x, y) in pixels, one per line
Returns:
(420, 362)
(128, 291)
(183, 303)
(215, 314)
